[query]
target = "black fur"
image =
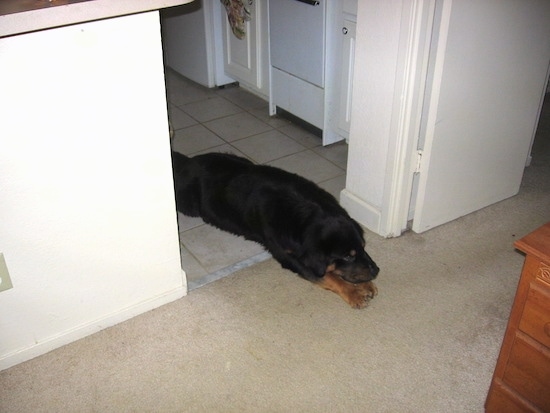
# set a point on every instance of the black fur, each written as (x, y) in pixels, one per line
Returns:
(300, 224)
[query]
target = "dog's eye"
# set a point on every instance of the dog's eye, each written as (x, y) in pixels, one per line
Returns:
(349, 258)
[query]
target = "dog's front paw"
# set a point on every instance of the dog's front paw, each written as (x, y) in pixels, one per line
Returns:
(356, 295)
(360, 295)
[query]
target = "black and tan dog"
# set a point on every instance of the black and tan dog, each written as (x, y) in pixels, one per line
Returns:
(300, 224)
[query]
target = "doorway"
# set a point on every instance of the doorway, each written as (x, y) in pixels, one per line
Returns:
(231, 119)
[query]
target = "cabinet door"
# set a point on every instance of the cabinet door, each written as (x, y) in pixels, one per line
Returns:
(346, 85)
(241, 55)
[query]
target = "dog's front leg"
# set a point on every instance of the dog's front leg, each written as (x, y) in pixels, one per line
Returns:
(356, 295)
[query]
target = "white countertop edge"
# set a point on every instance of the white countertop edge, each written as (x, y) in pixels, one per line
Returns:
(46, 18)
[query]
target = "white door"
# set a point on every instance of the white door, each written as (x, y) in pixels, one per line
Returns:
(488, 68)
(241, 54)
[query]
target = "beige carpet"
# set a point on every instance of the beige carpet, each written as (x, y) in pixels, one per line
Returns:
(263, 340)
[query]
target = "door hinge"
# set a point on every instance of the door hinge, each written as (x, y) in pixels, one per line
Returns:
(418, 161)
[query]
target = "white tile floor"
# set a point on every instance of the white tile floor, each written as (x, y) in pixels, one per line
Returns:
(234, 120)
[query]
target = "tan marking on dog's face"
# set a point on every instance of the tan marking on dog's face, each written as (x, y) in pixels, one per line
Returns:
(331, 269)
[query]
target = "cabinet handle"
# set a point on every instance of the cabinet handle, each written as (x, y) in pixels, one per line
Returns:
(345, 30)
(310, 2)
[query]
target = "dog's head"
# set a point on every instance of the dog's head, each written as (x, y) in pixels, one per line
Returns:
(336, 245)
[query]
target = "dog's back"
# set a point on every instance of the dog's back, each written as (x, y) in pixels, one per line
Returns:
(235, 195)
(200, 179)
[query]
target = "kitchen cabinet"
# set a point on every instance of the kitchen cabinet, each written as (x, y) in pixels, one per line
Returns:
(246, 60)
(200, 45)
(297, 55)
(86, 169)
(346, 76)
(346, 37)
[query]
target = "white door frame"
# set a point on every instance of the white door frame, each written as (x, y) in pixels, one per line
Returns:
(403, 156)
(387, 214)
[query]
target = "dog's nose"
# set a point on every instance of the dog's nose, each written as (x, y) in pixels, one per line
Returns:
(374, 270)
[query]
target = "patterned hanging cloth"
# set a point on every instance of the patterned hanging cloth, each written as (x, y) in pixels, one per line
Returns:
(237, 15)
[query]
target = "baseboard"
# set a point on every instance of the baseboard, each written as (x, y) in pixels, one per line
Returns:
(364, 213)
(77, 333)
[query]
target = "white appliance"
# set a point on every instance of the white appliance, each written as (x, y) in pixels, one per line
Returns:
(297, 47)
(302, 83)
(298, 38)
(192, 42)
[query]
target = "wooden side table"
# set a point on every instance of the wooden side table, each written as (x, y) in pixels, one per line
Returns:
(521, 381)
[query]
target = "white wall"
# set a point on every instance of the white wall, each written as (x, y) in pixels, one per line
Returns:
(88, 223)
(375, 72)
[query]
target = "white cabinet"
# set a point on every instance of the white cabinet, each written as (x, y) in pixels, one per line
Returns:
(246, 59)
(346, 76)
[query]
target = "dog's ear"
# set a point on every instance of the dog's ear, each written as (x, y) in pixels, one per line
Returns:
(359, 230)
(312, 251)
(316, 262)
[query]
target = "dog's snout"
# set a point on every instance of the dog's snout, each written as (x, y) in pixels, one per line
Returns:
(374, 270)
(362, 273)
